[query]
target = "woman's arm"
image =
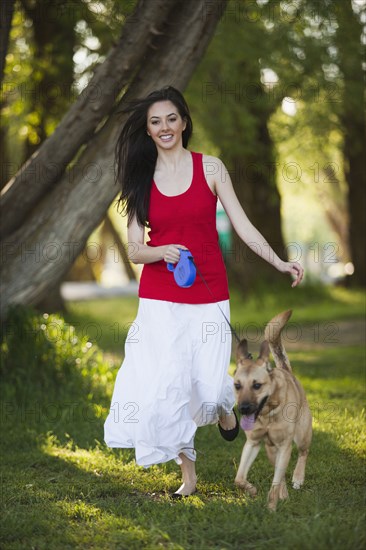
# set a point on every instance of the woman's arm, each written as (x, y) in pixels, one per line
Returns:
(244, 228)
(140, 253)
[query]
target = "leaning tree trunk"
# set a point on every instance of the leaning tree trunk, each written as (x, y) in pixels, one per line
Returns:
(46, 166)
(41, 251)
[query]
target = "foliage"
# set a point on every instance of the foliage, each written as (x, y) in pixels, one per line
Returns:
(266, 52)
(43, 357)
(311, 167)
(95, 28)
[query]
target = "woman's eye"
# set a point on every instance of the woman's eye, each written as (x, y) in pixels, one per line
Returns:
(172, 119)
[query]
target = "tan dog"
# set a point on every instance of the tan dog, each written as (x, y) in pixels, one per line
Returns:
(274, 409)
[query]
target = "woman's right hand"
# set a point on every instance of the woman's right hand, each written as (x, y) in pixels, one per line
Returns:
(171, 254)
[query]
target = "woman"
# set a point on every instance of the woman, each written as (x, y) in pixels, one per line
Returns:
(174, 377)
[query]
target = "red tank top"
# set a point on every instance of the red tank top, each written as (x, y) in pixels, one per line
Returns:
(188, 219)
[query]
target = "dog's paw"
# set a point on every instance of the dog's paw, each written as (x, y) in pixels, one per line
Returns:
(283, 494)
(296, 484)
(247, 487)
(273, 497)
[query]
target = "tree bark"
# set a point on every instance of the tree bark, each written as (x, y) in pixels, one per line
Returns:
(250, 161)
(254, 180)
(48, 163)
(54, 46)
(353, 122)
(336, 211)
(42, 250)
(121, 247)
(6, 15)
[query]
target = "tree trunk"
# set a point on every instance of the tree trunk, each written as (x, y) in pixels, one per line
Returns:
(350, 51)
(121, 247)
(6, 15)
(254, 179)
(336, 211)
(49, 162)
(54, 46)
(235, 117)
(42, 250)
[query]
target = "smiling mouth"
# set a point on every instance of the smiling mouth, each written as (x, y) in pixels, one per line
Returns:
(166, 137)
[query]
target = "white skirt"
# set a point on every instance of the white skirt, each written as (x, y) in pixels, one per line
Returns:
(173, 379)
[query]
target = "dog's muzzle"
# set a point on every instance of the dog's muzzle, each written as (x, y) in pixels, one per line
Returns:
(246, 408)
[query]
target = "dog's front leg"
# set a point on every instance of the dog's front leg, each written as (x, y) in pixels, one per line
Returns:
(278, 489)
(248, 456)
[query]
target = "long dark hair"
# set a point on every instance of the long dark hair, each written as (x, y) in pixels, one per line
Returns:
(136, 153)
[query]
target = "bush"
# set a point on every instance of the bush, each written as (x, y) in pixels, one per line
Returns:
(43, 358)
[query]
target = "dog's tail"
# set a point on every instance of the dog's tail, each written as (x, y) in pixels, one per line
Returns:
(272, 334)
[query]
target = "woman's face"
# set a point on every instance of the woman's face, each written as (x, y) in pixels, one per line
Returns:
(165, 125)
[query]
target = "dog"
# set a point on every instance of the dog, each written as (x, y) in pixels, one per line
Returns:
(274, 409)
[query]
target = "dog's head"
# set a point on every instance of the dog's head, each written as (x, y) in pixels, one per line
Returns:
(253, 380)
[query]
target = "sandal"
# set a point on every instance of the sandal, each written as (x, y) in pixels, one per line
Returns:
(230, 435)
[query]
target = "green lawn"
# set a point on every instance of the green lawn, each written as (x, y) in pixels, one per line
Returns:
(107, 322)
(62, 488)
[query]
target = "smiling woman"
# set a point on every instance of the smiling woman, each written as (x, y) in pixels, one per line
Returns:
(165, 126)
(174, 378)
(160, 121)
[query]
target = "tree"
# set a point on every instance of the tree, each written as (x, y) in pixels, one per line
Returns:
(351, 56)
(6, 13)
(96, 102)
(326, 39)
(42, 249)
(314, 50)
(54, 45)
(234, 108)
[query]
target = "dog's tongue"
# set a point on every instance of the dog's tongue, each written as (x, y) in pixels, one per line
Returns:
(247, 422)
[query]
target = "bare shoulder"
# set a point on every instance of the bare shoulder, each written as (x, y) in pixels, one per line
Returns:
(212, 167)
(213, 162)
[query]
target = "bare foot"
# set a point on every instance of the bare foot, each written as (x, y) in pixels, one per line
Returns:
(189, 478)
(187, 488)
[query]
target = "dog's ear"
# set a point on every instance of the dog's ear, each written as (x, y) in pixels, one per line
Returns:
(264, 355)
(264, 351)
(242, 351)
(269, 367)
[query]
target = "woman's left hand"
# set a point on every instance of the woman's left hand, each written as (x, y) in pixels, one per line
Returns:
(295, 269)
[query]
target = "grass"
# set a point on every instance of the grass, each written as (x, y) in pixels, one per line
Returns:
(62, 488)
(107, 322)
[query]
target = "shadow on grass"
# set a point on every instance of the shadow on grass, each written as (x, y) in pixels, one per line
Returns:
(58, 495)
